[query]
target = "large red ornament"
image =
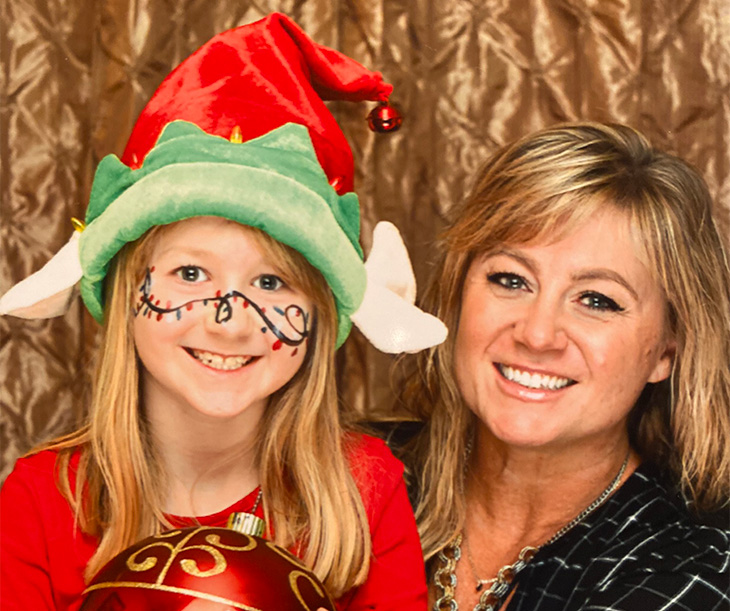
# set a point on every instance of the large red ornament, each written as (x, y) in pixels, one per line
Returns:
(205, 569)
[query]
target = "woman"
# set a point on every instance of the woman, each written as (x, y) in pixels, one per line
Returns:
(577, 416)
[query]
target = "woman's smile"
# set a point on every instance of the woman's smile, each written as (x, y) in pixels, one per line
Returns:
(534, 379)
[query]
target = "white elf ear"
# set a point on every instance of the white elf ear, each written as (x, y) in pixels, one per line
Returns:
(387, 316)
(49, 291)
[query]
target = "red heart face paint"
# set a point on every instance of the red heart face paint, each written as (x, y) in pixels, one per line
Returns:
(216, 327)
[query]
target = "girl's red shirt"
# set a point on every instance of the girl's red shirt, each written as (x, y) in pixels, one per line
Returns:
(43, 554)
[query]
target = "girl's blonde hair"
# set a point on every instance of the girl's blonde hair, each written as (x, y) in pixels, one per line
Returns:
(311, 501)
(540, 188)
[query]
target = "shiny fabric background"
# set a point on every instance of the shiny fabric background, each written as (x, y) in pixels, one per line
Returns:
(468, 75)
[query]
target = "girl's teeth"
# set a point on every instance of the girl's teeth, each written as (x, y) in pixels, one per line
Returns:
(534, 380)
(224, 363)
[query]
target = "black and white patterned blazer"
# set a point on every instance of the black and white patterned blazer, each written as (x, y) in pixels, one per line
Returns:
(641, 551)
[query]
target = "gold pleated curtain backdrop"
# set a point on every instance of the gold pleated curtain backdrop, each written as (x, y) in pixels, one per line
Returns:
(469, 76)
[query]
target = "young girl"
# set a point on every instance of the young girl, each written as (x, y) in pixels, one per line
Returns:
(225, 272)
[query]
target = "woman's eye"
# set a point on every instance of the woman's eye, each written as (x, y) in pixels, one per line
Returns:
(268, 282)
(509, 281)
(191, 273)
(598, 301)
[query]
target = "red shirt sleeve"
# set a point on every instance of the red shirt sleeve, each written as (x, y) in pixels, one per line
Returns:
(42, 555)
(397, 577)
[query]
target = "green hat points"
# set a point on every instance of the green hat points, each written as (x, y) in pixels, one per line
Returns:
(274, 183)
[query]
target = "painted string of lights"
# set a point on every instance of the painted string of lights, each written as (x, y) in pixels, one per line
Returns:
(294, 315)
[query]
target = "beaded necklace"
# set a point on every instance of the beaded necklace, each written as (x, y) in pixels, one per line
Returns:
(491, 599)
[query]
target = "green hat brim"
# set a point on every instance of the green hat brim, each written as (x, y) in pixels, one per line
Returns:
(248, 195)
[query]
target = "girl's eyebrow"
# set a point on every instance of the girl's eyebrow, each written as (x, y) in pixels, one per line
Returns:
(600, 273)
(183, 249)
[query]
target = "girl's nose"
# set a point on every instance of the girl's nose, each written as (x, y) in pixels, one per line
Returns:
(232, 315)
(540, 326)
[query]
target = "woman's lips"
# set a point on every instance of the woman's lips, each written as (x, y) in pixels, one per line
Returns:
(533, 380)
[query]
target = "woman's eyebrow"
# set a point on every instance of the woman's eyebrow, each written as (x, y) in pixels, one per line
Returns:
(603, 273)
(599, 273)
(528, 262)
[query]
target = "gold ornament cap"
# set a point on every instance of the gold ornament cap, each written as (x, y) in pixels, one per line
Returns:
(246, 523)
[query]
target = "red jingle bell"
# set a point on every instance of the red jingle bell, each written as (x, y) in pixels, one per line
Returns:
(202, 568)
(384, 118)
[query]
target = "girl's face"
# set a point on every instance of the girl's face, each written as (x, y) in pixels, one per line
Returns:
(557, 340)
(216, 327)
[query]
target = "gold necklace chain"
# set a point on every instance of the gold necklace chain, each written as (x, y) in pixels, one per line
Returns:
(491, 599)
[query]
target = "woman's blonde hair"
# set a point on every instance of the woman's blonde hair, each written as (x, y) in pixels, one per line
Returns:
(311, 501)
(540, 188)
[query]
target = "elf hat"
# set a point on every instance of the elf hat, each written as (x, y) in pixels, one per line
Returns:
(266, 153)
(256, 78)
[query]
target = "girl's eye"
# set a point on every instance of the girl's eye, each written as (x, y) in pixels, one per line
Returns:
(513, 282)
(268, 282)
(598, 301)
(191, 273)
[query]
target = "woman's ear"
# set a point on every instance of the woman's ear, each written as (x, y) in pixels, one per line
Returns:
(665, 362)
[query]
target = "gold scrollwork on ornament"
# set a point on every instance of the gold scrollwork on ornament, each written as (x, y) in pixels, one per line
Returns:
(291, 558)
(147, 563)
(215, 539)
(168, 534)
(190, 566)
(294, 578)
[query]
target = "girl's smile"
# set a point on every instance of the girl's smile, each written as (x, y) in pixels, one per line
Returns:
(220, 362)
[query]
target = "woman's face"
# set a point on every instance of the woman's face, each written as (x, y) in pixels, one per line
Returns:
(557, 340)
(216, 328)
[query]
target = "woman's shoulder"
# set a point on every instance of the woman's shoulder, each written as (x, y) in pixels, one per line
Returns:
(651, 499)
(642, 547)
(669, 558)
(645, 526)
(653, 532)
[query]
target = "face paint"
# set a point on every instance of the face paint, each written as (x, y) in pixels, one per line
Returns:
(292, 330)
(216, 353)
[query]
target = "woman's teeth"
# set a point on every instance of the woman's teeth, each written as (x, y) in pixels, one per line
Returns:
(217, 361)
(534, 380)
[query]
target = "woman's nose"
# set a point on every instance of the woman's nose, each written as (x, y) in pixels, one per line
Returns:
(540, 326)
